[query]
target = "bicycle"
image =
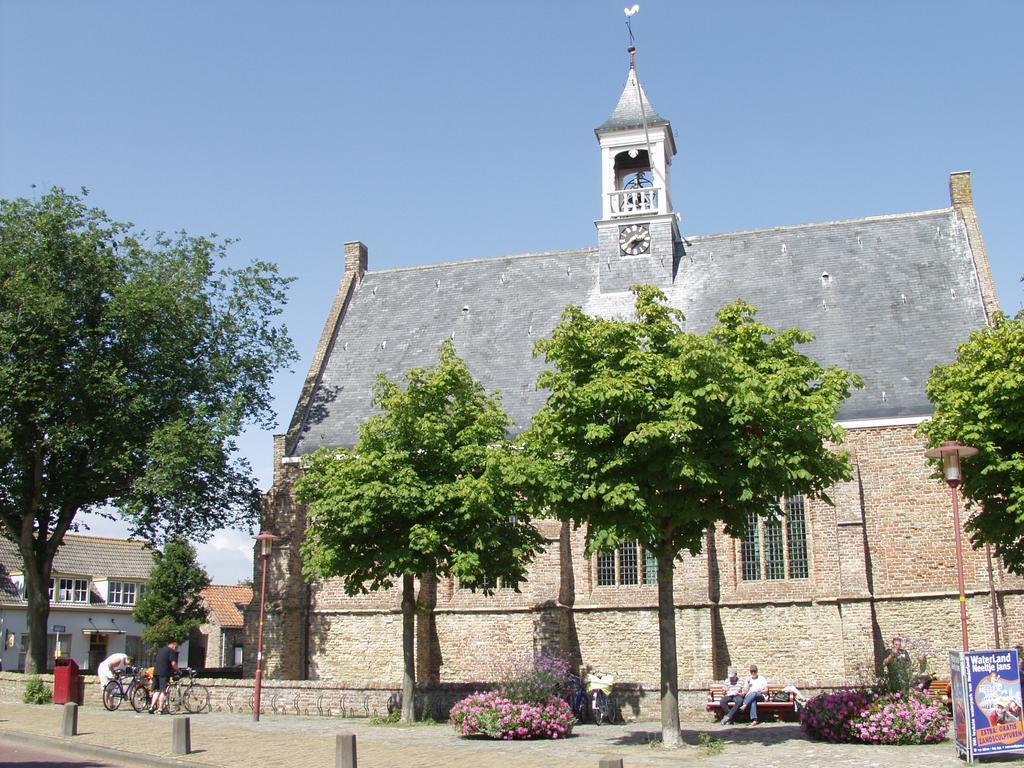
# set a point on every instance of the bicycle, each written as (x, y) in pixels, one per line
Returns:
(600, 703)
(591, 700)
(577, 698)
(191, 696)
(134, 691)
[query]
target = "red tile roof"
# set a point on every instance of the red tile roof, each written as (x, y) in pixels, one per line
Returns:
(227, 604)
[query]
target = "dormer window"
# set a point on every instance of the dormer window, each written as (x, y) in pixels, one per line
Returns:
(72, 590)
(122, 593)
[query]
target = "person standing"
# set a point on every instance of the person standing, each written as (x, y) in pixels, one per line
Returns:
(164, 665)
(898, 654)
(112, 666)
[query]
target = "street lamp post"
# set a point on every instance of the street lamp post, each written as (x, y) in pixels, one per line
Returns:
(951, 451)
(266, 541)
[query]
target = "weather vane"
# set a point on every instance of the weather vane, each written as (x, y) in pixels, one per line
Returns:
(630, 13)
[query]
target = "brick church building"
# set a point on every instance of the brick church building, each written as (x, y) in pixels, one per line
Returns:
(811, 597)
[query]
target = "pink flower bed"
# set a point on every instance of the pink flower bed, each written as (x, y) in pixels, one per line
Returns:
(827, 717)
(493, 715)
(902, 719)
(862, 716)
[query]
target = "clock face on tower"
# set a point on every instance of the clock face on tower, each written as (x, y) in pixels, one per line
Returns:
(635, 239)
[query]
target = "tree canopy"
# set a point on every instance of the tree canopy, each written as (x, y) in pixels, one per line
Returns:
(424, 491)
(172, 605)
(979, 400)
(654, 434)
(128, 363)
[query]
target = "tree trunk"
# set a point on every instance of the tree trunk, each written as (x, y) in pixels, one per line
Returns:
(37, 586)
(408, 650)
(670, 737)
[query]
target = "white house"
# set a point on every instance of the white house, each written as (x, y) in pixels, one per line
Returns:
(95, 584)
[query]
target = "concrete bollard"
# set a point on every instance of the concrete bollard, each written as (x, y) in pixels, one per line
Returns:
(345, 751)
(69, 725)
(610, 762)
(181, 736)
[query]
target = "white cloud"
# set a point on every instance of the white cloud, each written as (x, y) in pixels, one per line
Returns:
(227, 556)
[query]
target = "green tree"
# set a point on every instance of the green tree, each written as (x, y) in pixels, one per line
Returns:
(128, 364)
(424, 491)
(652, 434)
(979, 400)
(172, 605)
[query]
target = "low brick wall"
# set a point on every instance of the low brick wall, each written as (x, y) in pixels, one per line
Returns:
(12, 686)
(373, 699)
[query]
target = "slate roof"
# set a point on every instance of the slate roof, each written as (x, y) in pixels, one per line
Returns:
(628, 112)
(870, 290)
(227, 604)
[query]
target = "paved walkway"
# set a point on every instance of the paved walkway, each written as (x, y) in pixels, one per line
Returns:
(231, 740)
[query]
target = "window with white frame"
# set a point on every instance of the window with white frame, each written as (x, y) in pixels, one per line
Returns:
(628, 565)
(121, 593)
(774, 548)
(72, 590)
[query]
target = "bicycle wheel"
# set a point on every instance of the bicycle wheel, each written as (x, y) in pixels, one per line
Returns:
(174, 698)
(196, 698)
(112, 695)
(579, 705)
(139, 697)
(599, 705)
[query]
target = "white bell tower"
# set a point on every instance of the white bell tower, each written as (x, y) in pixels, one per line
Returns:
(637, 220)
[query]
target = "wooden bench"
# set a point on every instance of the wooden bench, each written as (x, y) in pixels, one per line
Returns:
(784, 708)
(940, 690)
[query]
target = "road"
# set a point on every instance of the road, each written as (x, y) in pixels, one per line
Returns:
(13, 753)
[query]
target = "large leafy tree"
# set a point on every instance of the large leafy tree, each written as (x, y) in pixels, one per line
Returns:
(172, 605)
(979, 400)
(654, 434)
(128, 364)
(424, 491)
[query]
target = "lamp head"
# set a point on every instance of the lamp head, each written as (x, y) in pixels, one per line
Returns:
(266, 540)
(951, 451)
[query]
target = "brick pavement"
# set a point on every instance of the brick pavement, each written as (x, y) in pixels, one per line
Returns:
(233, 741)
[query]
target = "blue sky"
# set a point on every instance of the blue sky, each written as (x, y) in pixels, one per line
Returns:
(446, 131)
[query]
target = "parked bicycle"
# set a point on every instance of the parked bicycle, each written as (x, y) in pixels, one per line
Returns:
(577, 698)
(126, 686)
(600, 688)
(590, 699)
(185, 693)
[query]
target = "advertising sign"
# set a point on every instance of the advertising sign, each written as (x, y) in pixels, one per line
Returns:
(987, 716)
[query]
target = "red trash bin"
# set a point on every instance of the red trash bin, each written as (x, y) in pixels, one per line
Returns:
(65, 682)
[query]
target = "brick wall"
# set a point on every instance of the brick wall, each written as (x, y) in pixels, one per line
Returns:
(882, 562)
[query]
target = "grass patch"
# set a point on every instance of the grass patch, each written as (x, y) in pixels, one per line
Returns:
(712, 746)
(36, 692)
(395, 719)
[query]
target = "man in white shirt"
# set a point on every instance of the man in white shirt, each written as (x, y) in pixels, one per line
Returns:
(111, 666)
(754, 690)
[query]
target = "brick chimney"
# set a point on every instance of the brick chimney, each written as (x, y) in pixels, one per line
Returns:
(962, 199)
(356, 257)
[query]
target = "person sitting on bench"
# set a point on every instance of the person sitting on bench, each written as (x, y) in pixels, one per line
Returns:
(733, 695)
(753, 691)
